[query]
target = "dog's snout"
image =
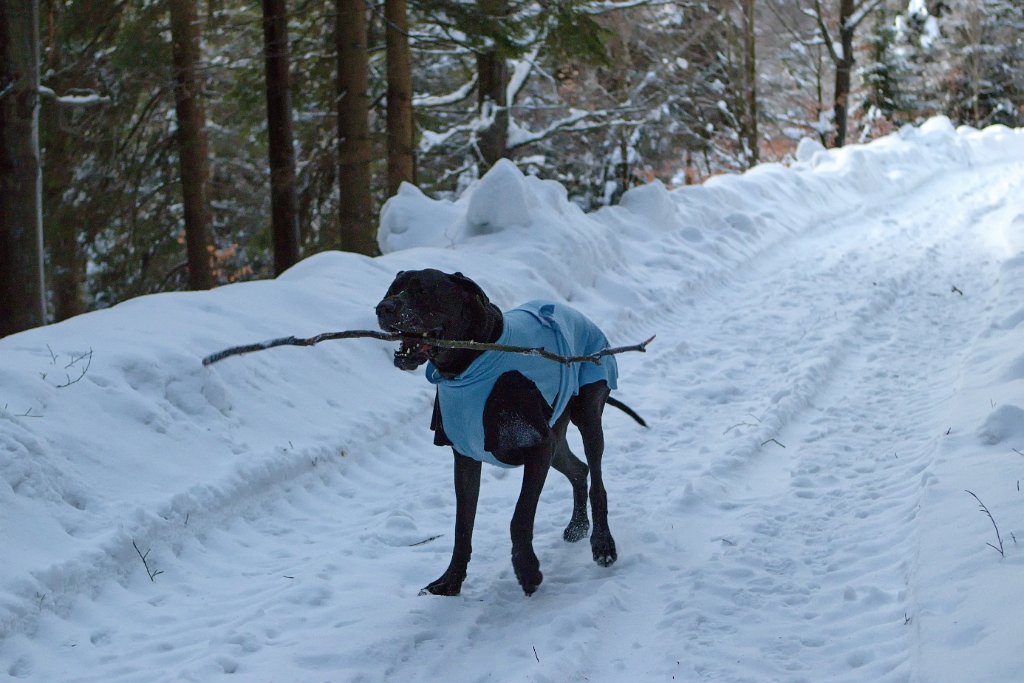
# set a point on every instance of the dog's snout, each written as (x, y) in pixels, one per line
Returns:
(387, 307)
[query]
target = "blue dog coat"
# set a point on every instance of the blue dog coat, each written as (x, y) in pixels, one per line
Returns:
(554, 327)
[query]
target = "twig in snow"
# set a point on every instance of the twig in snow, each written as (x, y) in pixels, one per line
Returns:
(74, 359)
(956, 290)
(982, 508)
(1017, 451)
(87, 356)
(535, 654)
(772, 441)
(152, 574)
(443, 343)
(743, 424)
(425, 541)
(738, 424)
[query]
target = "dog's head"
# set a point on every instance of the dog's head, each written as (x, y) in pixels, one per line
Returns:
(430, 304)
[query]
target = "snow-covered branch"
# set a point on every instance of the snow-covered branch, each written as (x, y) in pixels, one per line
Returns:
(576, 122)
(429, 139)
(521, 69)
(861, 12)
(86, 98)
(598, 8)
(451, 98)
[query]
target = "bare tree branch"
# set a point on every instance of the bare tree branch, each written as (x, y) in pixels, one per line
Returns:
(443, 343)
(819, 16)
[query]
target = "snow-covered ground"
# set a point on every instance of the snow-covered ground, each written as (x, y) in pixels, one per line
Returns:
(839, 359)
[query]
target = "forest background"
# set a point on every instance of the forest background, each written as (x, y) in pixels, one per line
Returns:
(188, 143)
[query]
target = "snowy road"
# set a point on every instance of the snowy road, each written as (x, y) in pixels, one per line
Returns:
(769, 523)
(809, 566)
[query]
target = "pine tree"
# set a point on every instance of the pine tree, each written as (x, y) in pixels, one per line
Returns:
(284, 219)
(192, 145)
(354, 151)
(400, 136)
(984, 85)
(840, 44)
(21, 235)
(887, 78)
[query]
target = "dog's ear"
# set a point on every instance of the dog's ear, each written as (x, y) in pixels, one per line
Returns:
(470, 287)
(395, 283)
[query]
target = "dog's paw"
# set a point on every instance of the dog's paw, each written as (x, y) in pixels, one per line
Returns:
(527, 568)
(446, 585)
(603, 547)
(577, 530)
(530, 581)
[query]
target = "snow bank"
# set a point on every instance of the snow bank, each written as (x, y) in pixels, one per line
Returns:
(689, 233)
(971, 584)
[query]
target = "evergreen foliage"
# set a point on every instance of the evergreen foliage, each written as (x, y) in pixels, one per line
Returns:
(601, 96)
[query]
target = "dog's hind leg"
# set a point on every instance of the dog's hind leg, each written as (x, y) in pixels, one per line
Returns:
(536, 463)
(576, 472)
(586, 415)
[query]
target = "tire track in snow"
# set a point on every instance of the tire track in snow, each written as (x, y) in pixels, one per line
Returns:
(832, 514)
(52, 592)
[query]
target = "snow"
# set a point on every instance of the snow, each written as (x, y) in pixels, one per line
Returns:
(807, 148)
(820, 398)
(78, 99)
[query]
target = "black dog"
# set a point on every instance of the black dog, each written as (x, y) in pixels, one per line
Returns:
(507, 409)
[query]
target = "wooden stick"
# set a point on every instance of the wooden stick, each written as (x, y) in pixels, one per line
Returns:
(444, 343)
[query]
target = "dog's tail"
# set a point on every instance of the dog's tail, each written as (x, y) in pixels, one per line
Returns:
(626, 409)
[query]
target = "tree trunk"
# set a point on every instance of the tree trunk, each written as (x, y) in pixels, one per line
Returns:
(283, 205)
(750, 69)
(492, 101)
(192, 149)
(355, 210)
(844, 67)
(22, 293)
(401, 150)
(62, 224)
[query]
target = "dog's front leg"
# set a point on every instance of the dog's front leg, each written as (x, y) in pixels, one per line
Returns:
(467, 493)
(536, 463)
